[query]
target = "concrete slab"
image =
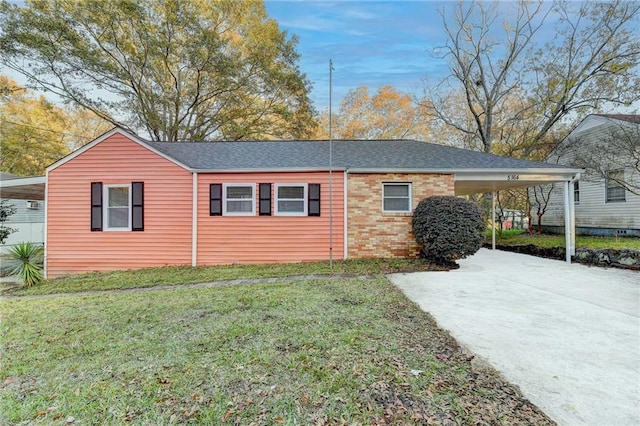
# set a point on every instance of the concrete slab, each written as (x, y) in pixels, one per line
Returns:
(568, 335)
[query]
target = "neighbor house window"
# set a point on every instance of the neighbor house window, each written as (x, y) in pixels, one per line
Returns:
(239, 199)
(615, 191)
(117, 205)
(291, 199)
(396, 197)
(576, 192)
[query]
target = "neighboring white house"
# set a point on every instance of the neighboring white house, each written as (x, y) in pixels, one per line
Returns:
(607, 146)
(28, 219)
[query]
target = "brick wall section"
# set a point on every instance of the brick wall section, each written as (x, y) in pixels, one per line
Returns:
(372, 233)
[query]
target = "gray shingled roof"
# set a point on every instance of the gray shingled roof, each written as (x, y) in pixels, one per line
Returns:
(352, 154)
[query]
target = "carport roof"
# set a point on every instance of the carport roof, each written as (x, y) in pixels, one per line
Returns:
(18, 187)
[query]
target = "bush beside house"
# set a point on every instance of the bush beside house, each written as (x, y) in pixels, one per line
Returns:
(448, 228)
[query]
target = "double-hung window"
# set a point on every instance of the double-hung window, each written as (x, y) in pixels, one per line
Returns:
(239, 199)
(615, 191)
(576, 192)
(396, 197)
(291, 199)
(117, 207)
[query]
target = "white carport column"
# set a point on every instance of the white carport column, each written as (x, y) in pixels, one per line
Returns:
(572, 218)
(493, 220)
(568, 230)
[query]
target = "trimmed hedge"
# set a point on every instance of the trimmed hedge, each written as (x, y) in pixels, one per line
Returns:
(448, 228)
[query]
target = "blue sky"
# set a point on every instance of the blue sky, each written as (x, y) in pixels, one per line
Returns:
(371, 43)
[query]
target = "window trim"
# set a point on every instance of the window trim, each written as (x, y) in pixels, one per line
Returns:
(225, 199)
(105, 207)
(576, 192)
(410, 196)
(607, 187)
(304, 199)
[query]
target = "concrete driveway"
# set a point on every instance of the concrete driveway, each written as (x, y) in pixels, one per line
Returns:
(568, 335)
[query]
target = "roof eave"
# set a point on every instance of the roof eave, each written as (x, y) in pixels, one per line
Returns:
(268, 170)
(544, 170)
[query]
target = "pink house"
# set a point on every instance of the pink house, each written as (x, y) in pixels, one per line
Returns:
(122, 202)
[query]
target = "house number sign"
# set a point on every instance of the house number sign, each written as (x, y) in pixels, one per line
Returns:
(513, 177)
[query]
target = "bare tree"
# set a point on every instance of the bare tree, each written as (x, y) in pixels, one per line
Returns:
(540, 197)
(516, 89)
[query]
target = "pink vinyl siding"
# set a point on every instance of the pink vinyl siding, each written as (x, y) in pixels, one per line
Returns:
(73, 248)
(269, 239)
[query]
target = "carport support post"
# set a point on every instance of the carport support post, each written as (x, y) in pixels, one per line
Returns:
(493, 220)
(568, 230)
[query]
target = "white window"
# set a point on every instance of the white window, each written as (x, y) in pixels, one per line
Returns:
(239, 199)
(576, 192)
(117, 207)
(615, 191)
(396, 197)
(291, 199)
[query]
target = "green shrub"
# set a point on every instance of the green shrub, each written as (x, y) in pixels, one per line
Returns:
(448, 228)
(29, 258)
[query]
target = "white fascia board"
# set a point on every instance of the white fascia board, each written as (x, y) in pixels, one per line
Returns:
(475, 172)
(274, 170)
(511, 175)
(107, 135)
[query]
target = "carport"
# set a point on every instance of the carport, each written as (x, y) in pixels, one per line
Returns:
(468, 182)
(22, 188)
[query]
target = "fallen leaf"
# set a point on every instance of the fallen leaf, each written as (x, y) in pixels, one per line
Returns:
(279, 420)
(42, 413)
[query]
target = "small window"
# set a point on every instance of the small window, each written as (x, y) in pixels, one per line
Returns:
(117, 205)
(615, 191)
(576, 192)
(291, 200)
(396, 197)
(239, 200)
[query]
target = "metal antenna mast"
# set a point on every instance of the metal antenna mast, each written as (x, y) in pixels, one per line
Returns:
(330, 168)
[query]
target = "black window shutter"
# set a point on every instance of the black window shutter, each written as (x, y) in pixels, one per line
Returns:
(96, 206)
(265, 199)
(314, 199)
(137, 206)
(215, 199)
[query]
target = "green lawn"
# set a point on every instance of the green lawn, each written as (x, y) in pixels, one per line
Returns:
(522, 238)
(317, 351)
(178, 275)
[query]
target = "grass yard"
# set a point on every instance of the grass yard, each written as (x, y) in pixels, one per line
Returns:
(179, 275)
(320, 351)
(522, 238)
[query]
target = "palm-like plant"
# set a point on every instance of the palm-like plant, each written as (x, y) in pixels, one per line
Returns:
(29, 258)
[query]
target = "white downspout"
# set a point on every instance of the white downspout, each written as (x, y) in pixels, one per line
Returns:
(345, 243)
(194, 220)
(46, 222)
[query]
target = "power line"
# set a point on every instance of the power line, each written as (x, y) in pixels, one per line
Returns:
(45, 130)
